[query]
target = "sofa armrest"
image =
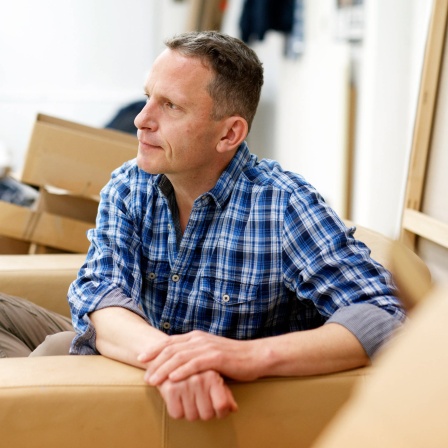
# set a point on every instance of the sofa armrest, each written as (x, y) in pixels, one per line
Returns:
(75, 401)
(273, 412)
(43, 279)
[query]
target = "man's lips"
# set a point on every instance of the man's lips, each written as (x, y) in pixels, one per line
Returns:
(146, 141)
(148, 145)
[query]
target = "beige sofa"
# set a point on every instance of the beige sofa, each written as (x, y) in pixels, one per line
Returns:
(404, 401)
(72, 401)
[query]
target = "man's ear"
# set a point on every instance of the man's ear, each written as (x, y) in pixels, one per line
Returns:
(235, 130)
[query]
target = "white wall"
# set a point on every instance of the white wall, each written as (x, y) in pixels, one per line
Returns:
(312, 106)
(76, 59)
(392, 58)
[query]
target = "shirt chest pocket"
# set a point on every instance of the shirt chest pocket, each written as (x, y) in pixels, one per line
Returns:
(228, 293)
(229, 308)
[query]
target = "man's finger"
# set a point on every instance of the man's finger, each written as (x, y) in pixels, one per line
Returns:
(223, 401)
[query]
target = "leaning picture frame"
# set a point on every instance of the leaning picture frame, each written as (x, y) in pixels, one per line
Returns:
(424, 223)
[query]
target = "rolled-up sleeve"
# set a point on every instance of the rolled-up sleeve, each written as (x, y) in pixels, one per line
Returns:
(110, 275)
(327, 265)
(371, 325)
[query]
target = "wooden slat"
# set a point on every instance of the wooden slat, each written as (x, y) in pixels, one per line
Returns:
(425, 226)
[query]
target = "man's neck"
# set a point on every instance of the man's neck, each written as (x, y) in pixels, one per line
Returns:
(189, 186)
(186, 193)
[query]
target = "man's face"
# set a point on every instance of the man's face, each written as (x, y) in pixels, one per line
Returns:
(176, 135)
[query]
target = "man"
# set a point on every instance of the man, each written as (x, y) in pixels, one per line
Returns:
(206, 263)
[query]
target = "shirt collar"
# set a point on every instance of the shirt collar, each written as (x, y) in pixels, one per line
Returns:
(224, 187)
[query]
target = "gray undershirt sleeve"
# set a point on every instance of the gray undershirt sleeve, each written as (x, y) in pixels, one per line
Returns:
(371, 325)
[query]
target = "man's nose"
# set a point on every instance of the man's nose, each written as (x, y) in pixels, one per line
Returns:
(146, 117)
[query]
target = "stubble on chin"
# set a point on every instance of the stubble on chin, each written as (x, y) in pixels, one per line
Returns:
(148, 164)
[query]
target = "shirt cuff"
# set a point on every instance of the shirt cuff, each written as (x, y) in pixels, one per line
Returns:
(371, 325)
(85, 343)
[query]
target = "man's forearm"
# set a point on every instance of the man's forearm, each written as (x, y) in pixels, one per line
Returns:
(330, 348)
(123, 335)
(327, 349)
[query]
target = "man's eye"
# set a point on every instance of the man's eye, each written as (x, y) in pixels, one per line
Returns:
(171, 105)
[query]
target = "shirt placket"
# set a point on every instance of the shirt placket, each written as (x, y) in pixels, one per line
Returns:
(178, 279)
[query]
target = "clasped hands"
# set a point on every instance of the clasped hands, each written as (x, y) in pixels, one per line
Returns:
(188, 370)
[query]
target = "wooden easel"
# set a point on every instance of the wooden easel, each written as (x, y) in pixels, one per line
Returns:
(418, 221)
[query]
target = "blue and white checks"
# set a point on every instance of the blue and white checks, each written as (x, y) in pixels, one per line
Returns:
(262, 255)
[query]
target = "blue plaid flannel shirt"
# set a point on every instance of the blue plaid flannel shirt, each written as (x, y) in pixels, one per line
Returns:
(262, 255)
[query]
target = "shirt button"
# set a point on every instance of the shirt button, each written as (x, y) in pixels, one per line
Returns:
(169, 226)
(166, 326)
(225, 298)
(152, 276)
(175, 278)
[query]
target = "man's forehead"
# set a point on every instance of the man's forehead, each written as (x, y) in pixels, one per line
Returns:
(181, 60)
(183, 84)
(173, 67)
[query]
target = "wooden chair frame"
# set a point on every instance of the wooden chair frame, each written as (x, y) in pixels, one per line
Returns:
(415, 223)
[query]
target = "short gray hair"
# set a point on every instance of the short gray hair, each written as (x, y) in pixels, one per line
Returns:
(236, 87)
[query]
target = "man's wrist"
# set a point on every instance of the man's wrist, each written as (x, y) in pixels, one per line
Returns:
(266, 357)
